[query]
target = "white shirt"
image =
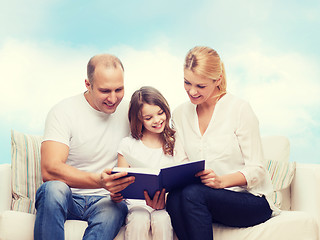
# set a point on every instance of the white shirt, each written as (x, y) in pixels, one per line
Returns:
(139, 155)
(92, 136)
(231, 143)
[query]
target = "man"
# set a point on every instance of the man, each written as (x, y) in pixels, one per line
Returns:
(81, 137)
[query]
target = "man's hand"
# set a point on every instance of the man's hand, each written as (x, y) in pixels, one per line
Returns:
(116, 197)
(158, 201)
(115, 182)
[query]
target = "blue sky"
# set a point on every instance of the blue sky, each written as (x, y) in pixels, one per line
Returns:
(270, 50)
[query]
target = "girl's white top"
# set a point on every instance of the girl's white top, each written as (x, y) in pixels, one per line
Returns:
(139, 155)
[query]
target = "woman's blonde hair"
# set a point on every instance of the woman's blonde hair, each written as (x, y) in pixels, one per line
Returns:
(150, 96)
(206, 62)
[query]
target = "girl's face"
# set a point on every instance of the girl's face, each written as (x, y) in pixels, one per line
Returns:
(199, 89)
(154, 118)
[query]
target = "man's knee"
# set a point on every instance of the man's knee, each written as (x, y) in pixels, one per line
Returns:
(53, 191)
(106, 210)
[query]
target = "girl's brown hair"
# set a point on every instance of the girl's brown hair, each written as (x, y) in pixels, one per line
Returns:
(150, 96)
(206, 62)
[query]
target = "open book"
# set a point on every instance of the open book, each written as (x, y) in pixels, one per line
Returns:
(152, 180)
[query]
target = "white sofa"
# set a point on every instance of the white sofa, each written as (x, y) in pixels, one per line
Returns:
(299, 221)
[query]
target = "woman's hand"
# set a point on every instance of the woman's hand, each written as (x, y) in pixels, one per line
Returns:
(116, 197)
(210, 179)
(158, 201)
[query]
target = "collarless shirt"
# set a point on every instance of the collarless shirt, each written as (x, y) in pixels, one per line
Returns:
(231, 142)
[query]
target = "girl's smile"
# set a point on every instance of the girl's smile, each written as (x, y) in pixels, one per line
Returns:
(154, 118)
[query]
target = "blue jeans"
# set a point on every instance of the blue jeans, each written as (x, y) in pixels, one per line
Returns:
(194, 208)
(55, 204)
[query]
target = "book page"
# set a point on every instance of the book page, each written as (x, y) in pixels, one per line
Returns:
(149, 171)
(180, 163)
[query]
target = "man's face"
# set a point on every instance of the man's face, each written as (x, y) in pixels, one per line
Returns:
(107, 90)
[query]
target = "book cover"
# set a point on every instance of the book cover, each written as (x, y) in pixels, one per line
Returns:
(152, 180)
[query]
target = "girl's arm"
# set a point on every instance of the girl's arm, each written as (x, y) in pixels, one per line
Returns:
(122, 162)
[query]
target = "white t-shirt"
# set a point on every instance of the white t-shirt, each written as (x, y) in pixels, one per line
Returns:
(139, 155)
(142, 156)
(231, 142)
(92, 136)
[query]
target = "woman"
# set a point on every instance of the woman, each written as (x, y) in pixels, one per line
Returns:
(223, 130)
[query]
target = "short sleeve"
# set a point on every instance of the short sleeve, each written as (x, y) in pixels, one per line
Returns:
(57, 127)
(123, 147)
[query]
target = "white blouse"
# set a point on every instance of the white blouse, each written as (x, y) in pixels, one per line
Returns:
(231, 143)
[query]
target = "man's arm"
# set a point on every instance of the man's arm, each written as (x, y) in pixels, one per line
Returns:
(53, 167)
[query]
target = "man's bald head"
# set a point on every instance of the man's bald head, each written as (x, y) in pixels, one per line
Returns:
(102, 60)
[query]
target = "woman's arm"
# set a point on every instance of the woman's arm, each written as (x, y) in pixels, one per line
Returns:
(248, 135)
(210, 179)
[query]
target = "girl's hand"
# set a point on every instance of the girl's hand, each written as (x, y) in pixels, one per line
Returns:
(158, 201)
(210, 179)
(116, 197)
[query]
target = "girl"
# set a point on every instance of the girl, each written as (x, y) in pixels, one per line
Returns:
(151, 143)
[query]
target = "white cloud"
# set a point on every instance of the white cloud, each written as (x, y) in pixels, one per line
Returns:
(284, 92)
(35, 77)
(283, 89)
(156, 67)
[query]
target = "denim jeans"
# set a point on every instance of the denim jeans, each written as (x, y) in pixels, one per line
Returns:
(194, 208)
(55, 204)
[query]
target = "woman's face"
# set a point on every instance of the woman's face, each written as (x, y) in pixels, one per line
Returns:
(199, 89)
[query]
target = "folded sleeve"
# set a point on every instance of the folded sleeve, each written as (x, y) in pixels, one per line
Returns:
(249, 139)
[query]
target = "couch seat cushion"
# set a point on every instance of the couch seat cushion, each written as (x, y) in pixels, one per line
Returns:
(287, 225)
(291, 225)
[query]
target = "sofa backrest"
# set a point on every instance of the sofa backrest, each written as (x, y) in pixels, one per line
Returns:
(26, 172)
(276, 148)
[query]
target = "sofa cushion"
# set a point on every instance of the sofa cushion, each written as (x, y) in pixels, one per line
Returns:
(291, 225)
(276, 151)
(287, 225)
(25, 170)
(281, 174)
(10, 221)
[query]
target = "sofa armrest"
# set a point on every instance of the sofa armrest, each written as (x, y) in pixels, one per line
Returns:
(305, 190)
(5, 187)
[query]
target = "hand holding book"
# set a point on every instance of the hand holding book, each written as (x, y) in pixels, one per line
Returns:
(158, 200)
(169, 178)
